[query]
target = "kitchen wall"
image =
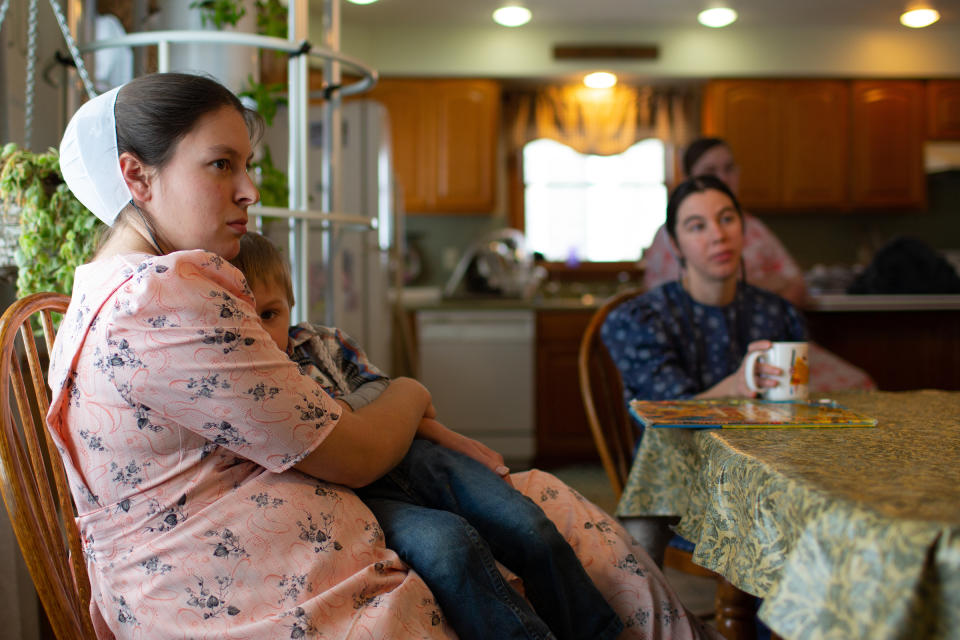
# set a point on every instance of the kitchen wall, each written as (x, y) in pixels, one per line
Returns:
(834, 238)
(688, 55)
(687, 52)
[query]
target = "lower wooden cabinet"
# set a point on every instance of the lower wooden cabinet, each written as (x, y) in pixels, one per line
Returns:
(901, 350)
(563, 435)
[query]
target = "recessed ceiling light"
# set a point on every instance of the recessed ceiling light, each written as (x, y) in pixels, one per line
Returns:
(918, 18)
(717, 17)
(600, 80)
(362, 1)
(512, 16)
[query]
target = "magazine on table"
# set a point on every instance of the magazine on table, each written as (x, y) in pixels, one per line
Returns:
(742, 413)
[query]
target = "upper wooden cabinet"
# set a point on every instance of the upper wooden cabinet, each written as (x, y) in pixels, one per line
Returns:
(943, 109)
(748, 116)
(444, 142)
(887, 144)
(821, 144)
(815, 125)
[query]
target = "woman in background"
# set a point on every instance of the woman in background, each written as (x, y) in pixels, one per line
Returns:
(766, 264)
(690, 337)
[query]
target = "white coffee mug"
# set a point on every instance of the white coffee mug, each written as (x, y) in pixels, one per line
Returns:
(791, 358)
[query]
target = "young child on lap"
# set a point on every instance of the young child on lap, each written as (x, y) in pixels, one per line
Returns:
(445, 512)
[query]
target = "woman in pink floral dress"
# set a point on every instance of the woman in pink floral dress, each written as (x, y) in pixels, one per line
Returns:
(211, 477)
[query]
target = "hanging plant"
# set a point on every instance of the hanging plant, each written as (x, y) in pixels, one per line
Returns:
(268, 97)
(220, 12)
(272, 181)
(57, 233)
(271, 18)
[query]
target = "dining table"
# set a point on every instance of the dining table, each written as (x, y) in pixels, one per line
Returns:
(844, 532)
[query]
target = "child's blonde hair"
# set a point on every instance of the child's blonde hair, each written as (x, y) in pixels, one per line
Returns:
(262, 263)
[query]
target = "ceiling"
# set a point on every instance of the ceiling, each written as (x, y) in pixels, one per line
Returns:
(671, 13)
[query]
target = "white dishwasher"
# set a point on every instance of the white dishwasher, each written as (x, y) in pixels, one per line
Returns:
(479, 368)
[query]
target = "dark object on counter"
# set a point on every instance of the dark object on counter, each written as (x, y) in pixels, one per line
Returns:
(907, 265)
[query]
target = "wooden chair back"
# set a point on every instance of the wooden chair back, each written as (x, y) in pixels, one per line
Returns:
(602, 390)
(32, 477)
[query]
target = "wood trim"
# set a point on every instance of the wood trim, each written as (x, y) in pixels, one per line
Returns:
(605, 52)
(515, 195)
(593, 270)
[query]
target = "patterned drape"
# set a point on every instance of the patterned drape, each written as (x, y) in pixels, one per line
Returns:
(603, 121)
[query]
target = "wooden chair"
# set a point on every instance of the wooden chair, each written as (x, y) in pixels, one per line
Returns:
(615, 437)
(32, 477)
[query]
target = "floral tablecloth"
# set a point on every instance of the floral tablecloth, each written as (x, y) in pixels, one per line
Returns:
(845, 532)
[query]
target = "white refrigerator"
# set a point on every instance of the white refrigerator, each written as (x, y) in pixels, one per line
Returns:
(362, 257)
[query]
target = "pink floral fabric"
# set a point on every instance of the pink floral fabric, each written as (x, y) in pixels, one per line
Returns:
(179, 422)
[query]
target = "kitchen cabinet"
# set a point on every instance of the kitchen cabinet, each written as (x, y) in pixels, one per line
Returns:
(747, 115)
(821, 144)
(562, 432)
(901, 348)
(943, 109)
(445, 136)
(789, 138)
(887, 144)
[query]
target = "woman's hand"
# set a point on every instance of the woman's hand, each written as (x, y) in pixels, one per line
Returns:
(762, 372)
(437, 433)
(736, 383)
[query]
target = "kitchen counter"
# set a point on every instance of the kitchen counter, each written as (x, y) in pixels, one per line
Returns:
(426, 300)
(907, 302)
(423, 299)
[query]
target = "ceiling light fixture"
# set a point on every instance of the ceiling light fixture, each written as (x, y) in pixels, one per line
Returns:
(600, 80)
(512, 15)
(362, 1)
(717, 17)
(919, 17)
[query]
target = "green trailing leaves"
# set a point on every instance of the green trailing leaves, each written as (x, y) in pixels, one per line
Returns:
(57, 233)
(220, 12)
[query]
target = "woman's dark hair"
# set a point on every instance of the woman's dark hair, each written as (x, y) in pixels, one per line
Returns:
(156, 111)
(697, 184)
(696, 150)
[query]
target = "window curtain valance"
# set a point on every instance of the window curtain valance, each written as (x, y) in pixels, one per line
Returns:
(602, 121)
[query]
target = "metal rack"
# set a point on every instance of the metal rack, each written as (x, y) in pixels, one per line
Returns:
(300, 51)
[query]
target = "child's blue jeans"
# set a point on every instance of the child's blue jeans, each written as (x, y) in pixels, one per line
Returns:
(448, 516)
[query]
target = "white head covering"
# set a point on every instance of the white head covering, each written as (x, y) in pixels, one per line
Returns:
(88, 158)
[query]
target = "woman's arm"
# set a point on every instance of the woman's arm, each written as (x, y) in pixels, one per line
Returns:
(643, 348)
(437, 433)
(367, 443)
